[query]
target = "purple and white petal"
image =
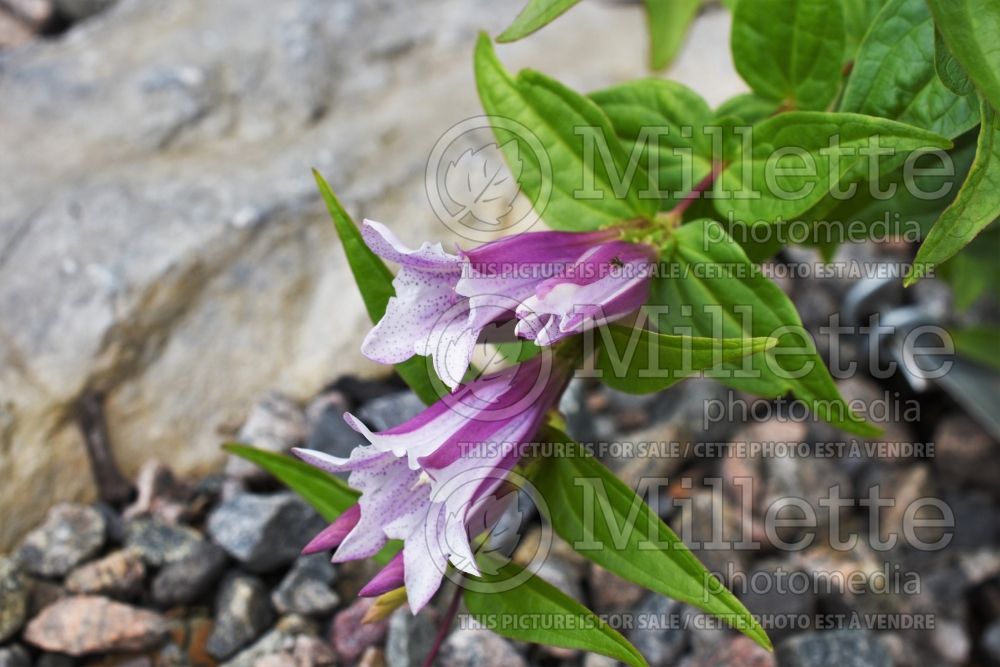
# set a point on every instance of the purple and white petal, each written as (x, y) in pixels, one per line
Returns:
(606, 283)
(331, 536)
(424, 292)
(428, 257)
(424, 563)
(388, 579)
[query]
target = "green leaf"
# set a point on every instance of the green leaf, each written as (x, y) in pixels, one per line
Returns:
(536, 14)
(517, 351)
(975, 207)
(749, 108)
(623, 535)
(327, 494)
(797, 157)
(584, 180)
(791, 52)
(932, 186)
(971, 28)
(668, 23)
(894, 75)
(858, 17)
(651, 118)
(972, 271)
(979, 343)
(640, 361)
(572, 625)
(949, 70)
(721, 294)
(374, 280)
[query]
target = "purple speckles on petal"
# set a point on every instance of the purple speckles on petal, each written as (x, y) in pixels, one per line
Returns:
(424, 481)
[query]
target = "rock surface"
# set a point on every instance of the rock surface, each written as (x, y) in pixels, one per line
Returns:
(409, 639)
(70, 535)
(119, 574)
(275, 423)
(242, 613)
(264, 532)
(13, 598)
(91, 624)
(307, 588)
(477, 647)
(185, 264)
(160, 543)
(188, 578)
(350, 637)
(841, 648)
(293, 642)
(14, 656)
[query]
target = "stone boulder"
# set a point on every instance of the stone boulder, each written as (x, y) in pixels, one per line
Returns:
(161, 238)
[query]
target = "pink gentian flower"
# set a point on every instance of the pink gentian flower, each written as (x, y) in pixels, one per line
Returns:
(555, 283)
(428, 480)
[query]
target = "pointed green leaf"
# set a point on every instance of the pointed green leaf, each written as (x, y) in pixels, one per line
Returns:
(585, 180)
(971, 28)
(606, 522)
(740, 301)
(668, 23)
(571, 624)
(640, 361)
(858, 18)
(894, 75)
(663, 123)
(791, 52)
(975, 207)
(796, 158)
(979, 343)
(949, 70)
(749, 108)
(536, 14)
(374, 280)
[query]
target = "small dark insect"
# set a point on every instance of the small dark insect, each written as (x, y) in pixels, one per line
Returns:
(617, 262)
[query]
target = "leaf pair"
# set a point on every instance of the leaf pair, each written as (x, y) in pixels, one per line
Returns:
(585, 180)
(717, 292)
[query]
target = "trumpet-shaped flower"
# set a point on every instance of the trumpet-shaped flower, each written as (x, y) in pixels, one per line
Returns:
(555, 284)
(428, 480)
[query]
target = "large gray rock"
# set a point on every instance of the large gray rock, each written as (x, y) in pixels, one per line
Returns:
(189, 577)
(70, 535)
(264, 532)
(307, 589)
(161, 239)
(242, 613)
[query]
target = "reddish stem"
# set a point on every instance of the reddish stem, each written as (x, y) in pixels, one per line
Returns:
(695, 194)
(442, 632)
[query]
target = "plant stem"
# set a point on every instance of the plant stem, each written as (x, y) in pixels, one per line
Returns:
(677, 212)
(446, 621)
